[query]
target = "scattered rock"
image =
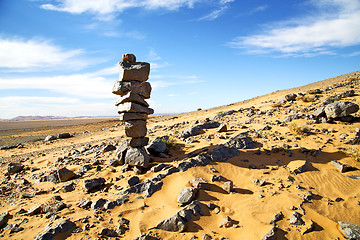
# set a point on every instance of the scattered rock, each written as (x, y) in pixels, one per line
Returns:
(222, 128)
(228, 186)
(295, 219)
(241, 141)
(310, 228)
(64, 135)
(4, 217)
(226, 222)
(350, 230)
(172, 224)
(278, 216)
(341, 166)
(15, 167)
(270, 235)
(50, 138)
(259, 182)
(186, 195)
(199, 183)
(298, 166)
(340, 109)
(59, 231)
(133, 181)
(93, 184)
(137, 157)
(156, 146)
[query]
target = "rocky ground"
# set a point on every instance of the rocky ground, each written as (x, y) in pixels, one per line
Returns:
(279, 166)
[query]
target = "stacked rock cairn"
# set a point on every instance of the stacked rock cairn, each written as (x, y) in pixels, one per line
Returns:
(133, 89)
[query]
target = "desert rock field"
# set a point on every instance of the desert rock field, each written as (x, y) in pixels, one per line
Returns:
(280, 166)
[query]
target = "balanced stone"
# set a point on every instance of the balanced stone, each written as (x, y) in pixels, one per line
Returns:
(138, 142)
(135, 128)
(137, 157)
(131, 97)
(126, 116)
(134, 107)
(128, 57)
(137, 71)
(142, 88)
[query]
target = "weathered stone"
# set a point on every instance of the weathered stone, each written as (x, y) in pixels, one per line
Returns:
(15, 167)
(206, 236)
(68, 187)
(172, 224)
(227, 186)
(59, 231)
(259, 182)
(222, 153)
(108, 148)
(134, 107)
(137, 157)
(110, 204)
(340, 109)
(295, 219)
(121, 152)
(290, 97)
(186, 195)
(121, 200)
(107, 232)
(133, 116)
(4, 217)
(65, 174)
(270, 235)
(93, 184)
(341, 166)
(350, 230)
(222, 128)
(199, 183)
(278, 216)
(98, 203)
(135, 128)
(222, 114)
(319, 113)
(147, 236)
(241, 141)
(141, 88)
(64, 135)
(114, 162)
(138, 142)
(133, 181)
(226, 222)
(136, 71)
(35, 210)
(131, 97)
(50, 138)
(156, 146)
(298, 166)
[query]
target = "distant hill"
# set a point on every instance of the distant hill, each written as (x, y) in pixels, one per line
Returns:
(22, 118)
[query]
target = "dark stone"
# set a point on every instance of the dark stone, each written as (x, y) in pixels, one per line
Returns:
(64, 135)
(68, 187)
(222, 153)
(50, 138)
(133, 180)
(4, 217)
(114, 162)
(108, 148)
(107, 232)
(35, 210)
(98, 203)
(241, 141)
(65, 174)
(199, 183)
(93, 184)
(15, 167)
(156, 146)
(121, 200)
(61, 230)
(158, 167)
(278, 216)
(340, 109)
(270, 235)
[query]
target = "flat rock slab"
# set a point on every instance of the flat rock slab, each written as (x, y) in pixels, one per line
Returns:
(138, 142)
(350, 230)
(134, 107)
(93, 184)
(141, 88)
(138, 71)
(126, 116)
(131, 97)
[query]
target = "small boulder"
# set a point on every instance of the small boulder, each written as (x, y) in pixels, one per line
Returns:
(340, 109)
(93, 184)
(186, 195)
(228, 186)
(15, 167)
(133, 181)
(350, 230)
(60, 230)
(156, 146)
(64, 135)
(341, 166)
(295, 219)
(4, 217)
(222, 128)
(172, 224)
(50, 138)
(226, 222)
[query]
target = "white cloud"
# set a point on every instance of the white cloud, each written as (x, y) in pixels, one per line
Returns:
(90, 85)
(28, 55)
(336, 24)
(224, 5)
(107, 9)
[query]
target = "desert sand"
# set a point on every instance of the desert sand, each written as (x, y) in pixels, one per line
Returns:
(320, 193)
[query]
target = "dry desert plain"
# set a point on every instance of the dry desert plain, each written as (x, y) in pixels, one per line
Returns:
(278, 158)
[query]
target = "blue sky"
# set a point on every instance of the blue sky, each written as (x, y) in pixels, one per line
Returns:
(60, 57)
